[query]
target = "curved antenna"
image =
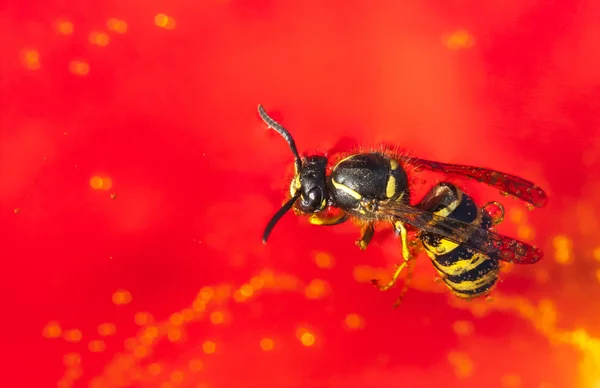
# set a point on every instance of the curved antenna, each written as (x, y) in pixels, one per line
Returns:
(284, 209)
(283, 132)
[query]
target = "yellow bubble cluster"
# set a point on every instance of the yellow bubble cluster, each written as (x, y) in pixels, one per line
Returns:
(121, 297)
(31, 59)
(99, 38)
(164, 21)
(128, 366)
(79, 68)
(460, 39)
(563, 249)
(64, 27)
(463, 366)
(117, 25)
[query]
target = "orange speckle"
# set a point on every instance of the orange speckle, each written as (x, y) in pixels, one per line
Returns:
(96, 183)
(176, 319)
(268, 277)
(187, 314)
(217, 317)
(52, 330)
(73, 335)
(363, 274)
(117, 25)
(164, 21)
(96, 346)
(316, 289)
(64, 383)
(199, 305)
(562, 249)
(154, 369)
(596, 253)
(598, 275)
(463, 366)
(73, 373)
(460, 39)
(463, 327)
(511, 381)
(79, 67)
(525, 232)
(64, 27)
(174, 334)
(324, 260)
(206, 293)
(72, 360)
(517, 215)
(246, 290)
(209, 347)
(31, 59)
(257, 282)
(142, 318)
(107, 329)
(267, 344)
(99, 38)
(140, 351)
(196, 365)
(354, 321)
(307, 339)
(16, 210)
(121, 297)
(151, 332)
(177, 376)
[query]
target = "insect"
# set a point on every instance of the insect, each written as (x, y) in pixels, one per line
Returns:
(373, 187)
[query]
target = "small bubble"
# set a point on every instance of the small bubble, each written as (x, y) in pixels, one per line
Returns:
(267, 344)
(504, 193)
(529, 206)
(437, 279)
(496, 211)
(17, 210)
(113, 196)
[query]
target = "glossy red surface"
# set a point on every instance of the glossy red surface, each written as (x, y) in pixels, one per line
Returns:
(136, 179)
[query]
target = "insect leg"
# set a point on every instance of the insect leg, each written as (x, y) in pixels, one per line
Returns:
(366, 235)
(404, 289)
(399, 226)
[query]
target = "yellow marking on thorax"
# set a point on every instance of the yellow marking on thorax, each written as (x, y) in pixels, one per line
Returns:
(344, 159)
(346, 189)
(390, 189)
(393, 164)
(462, 266)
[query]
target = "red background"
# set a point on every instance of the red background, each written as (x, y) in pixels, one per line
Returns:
(168, 114)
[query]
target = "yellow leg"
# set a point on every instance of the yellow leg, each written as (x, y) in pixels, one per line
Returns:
(404, 289)
(366, 235)
(405, 255)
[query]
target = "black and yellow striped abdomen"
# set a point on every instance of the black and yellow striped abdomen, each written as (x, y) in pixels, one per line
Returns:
(466, 272)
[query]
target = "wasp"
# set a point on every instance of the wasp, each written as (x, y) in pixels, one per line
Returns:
(373, 187)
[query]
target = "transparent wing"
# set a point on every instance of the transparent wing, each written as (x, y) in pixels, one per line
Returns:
(510, 184)
(480, 239)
